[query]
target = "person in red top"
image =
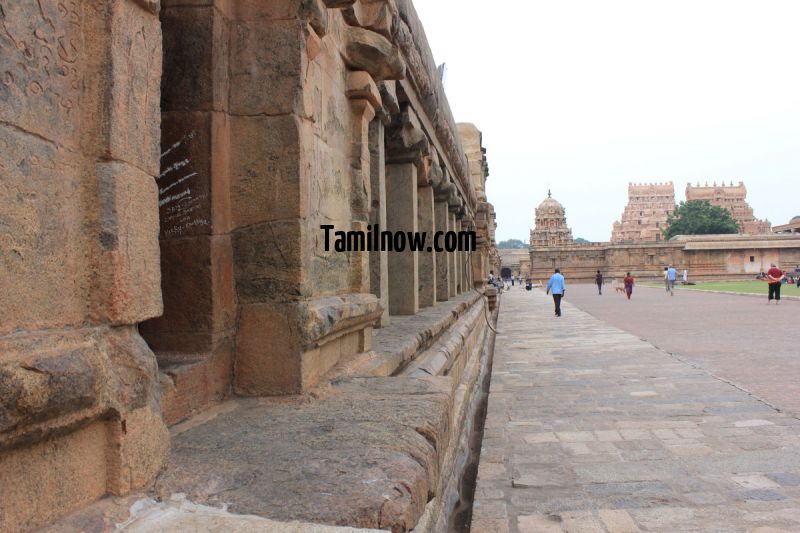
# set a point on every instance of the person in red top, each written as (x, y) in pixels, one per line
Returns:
(628, 282)
(774, 278)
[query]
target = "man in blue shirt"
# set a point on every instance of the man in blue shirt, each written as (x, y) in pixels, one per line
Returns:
(671, 275)
(557, 286)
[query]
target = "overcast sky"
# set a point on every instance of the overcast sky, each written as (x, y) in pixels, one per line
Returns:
(584, 96)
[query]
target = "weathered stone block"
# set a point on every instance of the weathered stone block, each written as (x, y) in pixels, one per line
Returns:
(52, 58)
(134, 122)
(191, 387)
(267, 351)
(198, 295)
(46, 251)
(196, 55)
(139, 441)
(37, 387)
(266, 169)
(129, 241)
(267, 259)
(193, 186)
(267, 67)
(42, 481)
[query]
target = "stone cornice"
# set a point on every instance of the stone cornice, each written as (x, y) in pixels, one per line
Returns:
(422, 73)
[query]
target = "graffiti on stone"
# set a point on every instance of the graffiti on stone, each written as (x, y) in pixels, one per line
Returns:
(178, 202)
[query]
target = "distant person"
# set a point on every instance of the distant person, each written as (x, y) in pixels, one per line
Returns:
(628, 283)
(666, 279)
(598, 279)
(491, 278)
(774, 277)
(558, 287)
(685, 276)
(671, 275)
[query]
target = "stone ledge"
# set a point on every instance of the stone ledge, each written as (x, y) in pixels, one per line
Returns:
(366, 455)
(405, 337)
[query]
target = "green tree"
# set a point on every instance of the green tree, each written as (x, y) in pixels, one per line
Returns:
(699, 217)
(512, 244)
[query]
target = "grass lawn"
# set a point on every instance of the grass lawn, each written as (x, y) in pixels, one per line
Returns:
(746, 287)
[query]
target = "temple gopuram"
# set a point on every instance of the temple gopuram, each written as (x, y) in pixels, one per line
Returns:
(734, 199)
(645, 216)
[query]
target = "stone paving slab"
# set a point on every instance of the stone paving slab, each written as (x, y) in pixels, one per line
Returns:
(589, 428)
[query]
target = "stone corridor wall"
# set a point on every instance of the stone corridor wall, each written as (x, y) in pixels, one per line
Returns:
(279, 118)
(165, 168)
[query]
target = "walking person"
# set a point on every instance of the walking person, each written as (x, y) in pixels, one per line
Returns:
(666, 279)
(558, 287)
(672, 274)
(599, 280)
(628, 282)
(775, 277)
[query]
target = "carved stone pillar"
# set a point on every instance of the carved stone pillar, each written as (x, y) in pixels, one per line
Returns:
(455, 269)
(401, 216)
(378, 260)
(426, 259)
(364, 100)
(442, 216)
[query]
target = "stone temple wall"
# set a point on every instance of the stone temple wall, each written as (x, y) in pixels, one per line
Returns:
(184, 201)
(706, 257)
(79, 134)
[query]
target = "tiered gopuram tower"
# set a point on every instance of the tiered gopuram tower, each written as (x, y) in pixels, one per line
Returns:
(645, 216)
(550, 225)
(734, 199)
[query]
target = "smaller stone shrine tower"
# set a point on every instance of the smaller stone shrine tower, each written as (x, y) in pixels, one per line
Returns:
(550, 225)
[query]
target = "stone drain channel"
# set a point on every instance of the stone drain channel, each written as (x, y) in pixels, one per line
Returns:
(460, 516)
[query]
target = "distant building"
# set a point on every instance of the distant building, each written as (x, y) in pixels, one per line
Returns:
(645, 216)
(792, 227)
(734, 199)
(550, 225)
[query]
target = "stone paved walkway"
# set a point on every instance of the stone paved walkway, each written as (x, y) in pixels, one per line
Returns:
(591, 429)
(736, 337)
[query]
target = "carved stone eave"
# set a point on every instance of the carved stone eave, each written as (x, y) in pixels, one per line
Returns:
(366, 50)
(375, 15)
(406, 142)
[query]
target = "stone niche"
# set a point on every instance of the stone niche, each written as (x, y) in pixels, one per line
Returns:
(79, 130)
